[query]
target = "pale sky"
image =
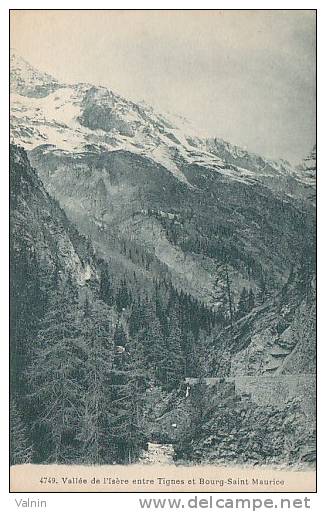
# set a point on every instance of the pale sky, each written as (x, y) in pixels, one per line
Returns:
(245, 76)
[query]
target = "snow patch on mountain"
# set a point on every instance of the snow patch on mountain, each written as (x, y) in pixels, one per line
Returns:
(76, 117)
(26, 80)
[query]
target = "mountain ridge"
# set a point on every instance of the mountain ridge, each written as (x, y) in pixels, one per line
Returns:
(119, 123)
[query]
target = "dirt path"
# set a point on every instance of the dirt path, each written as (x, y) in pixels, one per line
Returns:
(158, 454)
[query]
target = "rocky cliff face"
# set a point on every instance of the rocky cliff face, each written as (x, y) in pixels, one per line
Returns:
(279, 337)
(40, 225)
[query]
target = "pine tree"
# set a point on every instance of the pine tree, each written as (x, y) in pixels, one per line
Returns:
(128, 384)
(189, 360)
(27, 302)
(243, 303)
(175, 364)
(264, 291)
(126, 432)
(120, 338)
(106, 293)
(251, 300)
(136, 320)
(122, 299)
(53, 376)
(224, 295)
(20, 447)
(155, 350)
(95, 409)
(200, 355)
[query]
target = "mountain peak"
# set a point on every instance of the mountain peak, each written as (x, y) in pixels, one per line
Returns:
(73, 117)
(308, 166)
(27, 80)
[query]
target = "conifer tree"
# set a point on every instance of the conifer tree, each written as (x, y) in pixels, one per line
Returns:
(128, 384)
(154, 346)
(126, 431)
(243, 303)
(20, 447)
(122, 299)
(200, 355)
(175, 364)
(106, 293)
(120, 337)
(224, 295)
(27, 302)
(136, 320)
(251, 300)
(53, 375)
(95, 410)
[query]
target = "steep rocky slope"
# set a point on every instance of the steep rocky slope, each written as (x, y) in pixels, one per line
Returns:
(279, 337)
(40, 226)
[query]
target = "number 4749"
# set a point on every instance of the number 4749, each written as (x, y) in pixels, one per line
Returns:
(48, 480)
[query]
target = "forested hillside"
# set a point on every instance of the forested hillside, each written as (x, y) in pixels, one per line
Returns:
(82, 352)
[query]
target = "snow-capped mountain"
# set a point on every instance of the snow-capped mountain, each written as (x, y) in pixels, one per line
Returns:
(128, 175)
(74, 117)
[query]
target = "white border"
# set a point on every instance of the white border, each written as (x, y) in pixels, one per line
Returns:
(85, 502)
